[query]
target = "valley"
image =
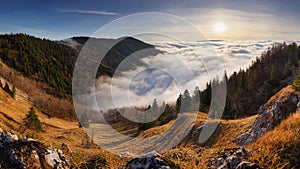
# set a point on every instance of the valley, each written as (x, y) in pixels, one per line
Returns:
(173, 141)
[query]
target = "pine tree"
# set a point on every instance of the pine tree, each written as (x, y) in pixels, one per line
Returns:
(205, 96)
(84, 121)
(293, 54)
(178, 104)
(274, 78)
(186, 102)
(244, 84)
(13, 92)
(196, 100)
(228, 112)
(32, 120)
(154, 107)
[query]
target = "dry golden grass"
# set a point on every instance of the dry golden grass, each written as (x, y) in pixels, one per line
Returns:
(39, 93)
(55, 131)
(231, 129)
(191, 155)
(279, 148)
(282, 92)
(186, 157)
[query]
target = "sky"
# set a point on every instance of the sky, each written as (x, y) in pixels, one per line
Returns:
(216, 19)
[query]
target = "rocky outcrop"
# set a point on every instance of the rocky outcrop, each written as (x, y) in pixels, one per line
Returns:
(147, 162)
(270, 115)
(28, 153)
(235, 158)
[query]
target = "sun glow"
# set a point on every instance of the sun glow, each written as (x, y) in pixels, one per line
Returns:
(219, 27)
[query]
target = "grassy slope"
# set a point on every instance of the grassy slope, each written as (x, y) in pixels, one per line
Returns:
(56, 130)
(279, 147)
(37, 93)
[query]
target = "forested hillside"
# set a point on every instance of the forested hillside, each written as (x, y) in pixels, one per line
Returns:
(53, 63)
(47, 67)
(250, 88)
(40, 59)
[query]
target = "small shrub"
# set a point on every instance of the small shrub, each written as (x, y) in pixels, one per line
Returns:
(97, 161)
(32, 120)
(296, 83)
(13, 92)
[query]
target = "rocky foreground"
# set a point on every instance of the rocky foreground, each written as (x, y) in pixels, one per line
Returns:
(28, 153)
(270, 115)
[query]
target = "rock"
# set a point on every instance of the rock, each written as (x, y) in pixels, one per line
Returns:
(12, 136)
(148, 162)
(232, 159)
(220, 161)
(16, 153)
(125, 154)
(1, 130)
(270, 115)
(298, 106)
(247, 165)
(56, 159)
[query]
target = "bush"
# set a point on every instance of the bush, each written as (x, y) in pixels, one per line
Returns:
(296, 83)
(32, 121)
(97, 161)
(13, 92)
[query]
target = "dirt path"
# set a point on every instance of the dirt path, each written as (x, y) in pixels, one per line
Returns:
(119, 144)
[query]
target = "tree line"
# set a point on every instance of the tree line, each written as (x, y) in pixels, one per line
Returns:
(248, 89)
(40, 59)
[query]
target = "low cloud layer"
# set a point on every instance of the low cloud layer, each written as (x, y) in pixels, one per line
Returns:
(181, 66)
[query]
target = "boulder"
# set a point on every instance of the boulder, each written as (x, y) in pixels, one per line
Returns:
(270, 115)
(55, 158)
(247, 165)
(235, 158)
(27, 153)
(147, 162)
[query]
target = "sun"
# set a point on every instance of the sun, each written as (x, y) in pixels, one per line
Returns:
(219, 27)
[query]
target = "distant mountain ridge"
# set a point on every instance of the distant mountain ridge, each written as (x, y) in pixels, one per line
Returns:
(53, 62)
(120, 49)
(50, 64)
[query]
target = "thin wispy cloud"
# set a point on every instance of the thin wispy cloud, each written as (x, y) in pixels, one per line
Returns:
(19, 28)
(88, 12)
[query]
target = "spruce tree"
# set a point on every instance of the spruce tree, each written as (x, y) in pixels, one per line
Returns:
(13, 92)
(32, 120)
(274, 78)
(84, 121)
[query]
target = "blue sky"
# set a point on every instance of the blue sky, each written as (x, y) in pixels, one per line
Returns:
(59, 19)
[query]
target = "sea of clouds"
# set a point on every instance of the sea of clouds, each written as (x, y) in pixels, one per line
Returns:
(180, 66)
